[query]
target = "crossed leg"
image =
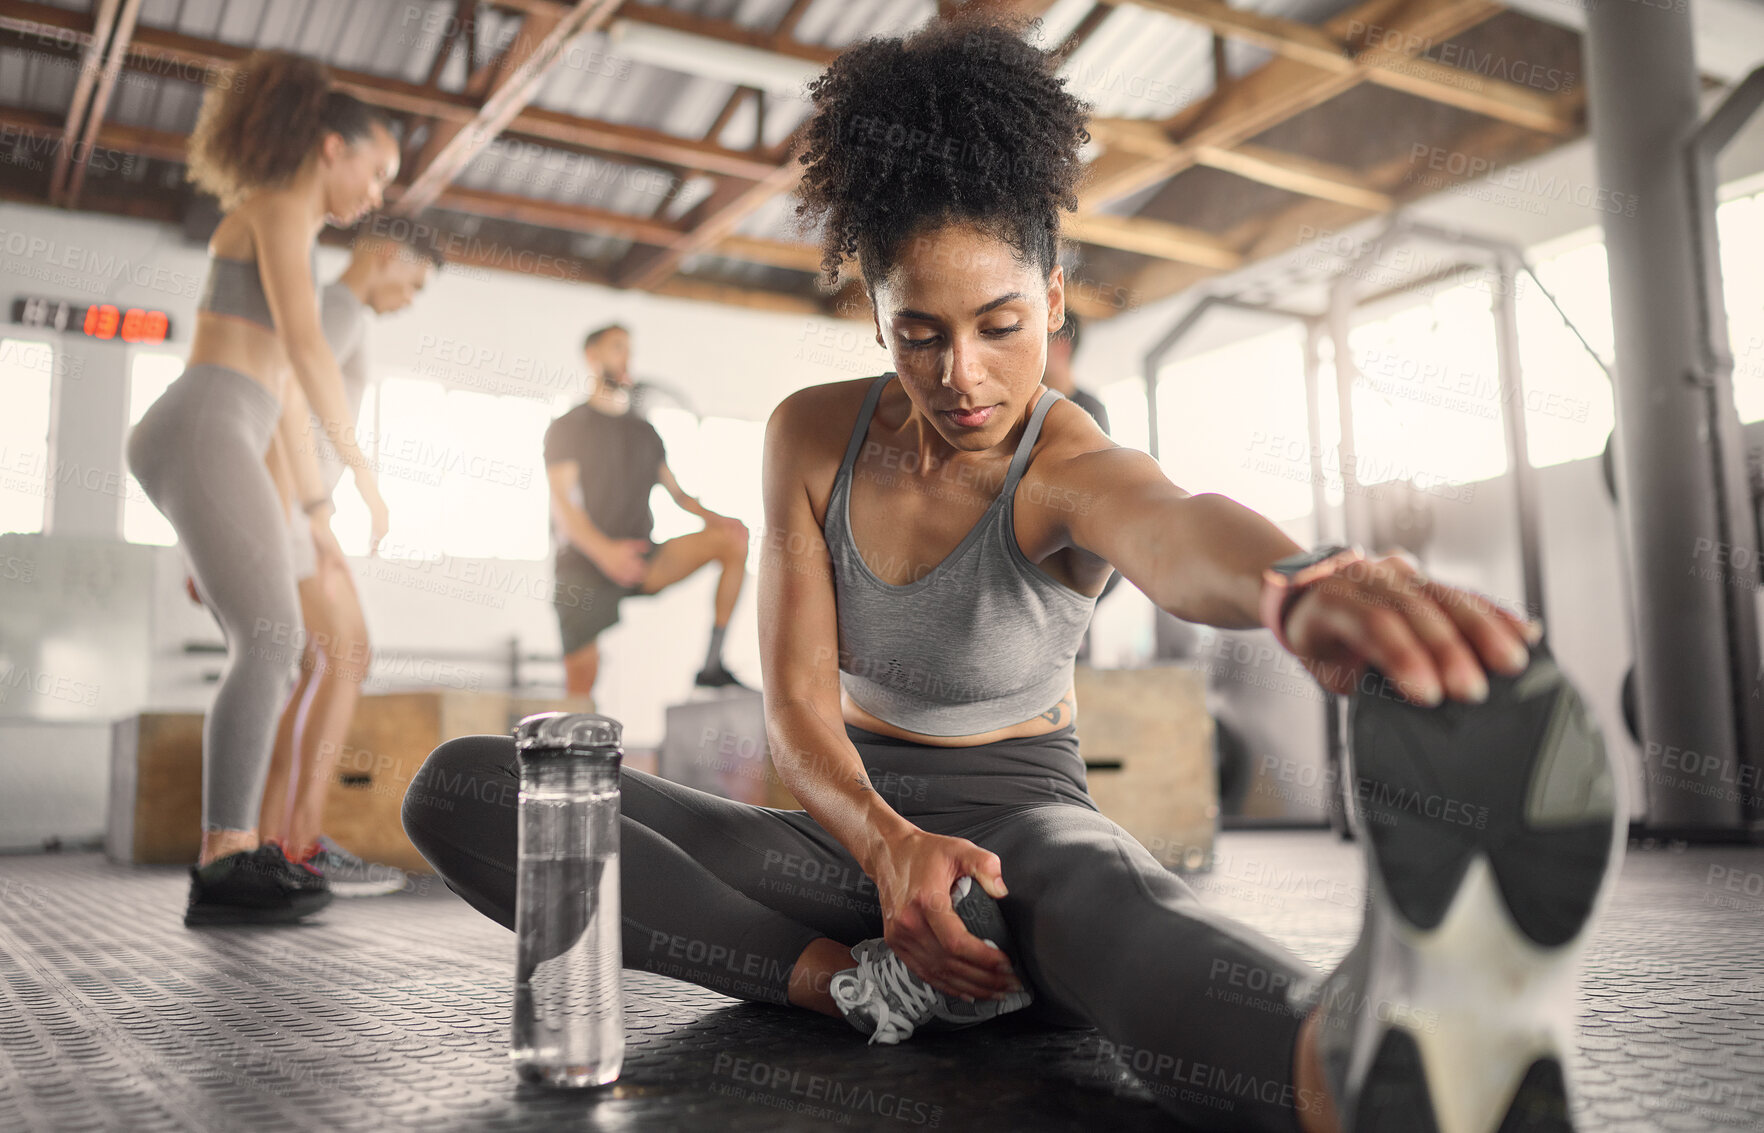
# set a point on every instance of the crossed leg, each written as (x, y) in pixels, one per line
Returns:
(732, 896)
(731, 905)
(1204, 1010)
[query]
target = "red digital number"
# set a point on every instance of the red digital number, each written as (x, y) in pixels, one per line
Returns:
(101, 321)
(154, 326)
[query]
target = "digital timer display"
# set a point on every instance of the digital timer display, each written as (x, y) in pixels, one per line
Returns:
(98, 320)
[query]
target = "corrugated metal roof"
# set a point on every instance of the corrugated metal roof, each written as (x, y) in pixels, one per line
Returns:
(1141, 64)
(1138, 63)
(35, 81)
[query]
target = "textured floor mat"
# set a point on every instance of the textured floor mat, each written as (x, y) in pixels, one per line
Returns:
(392, 1013)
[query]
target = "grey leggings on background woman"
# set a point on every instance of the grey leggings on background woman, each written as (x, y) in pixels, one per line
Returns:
(199, 455)
(727, 895)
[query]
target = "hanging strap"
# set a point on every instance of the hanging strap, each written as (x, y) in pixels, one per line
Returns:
(1020, 461)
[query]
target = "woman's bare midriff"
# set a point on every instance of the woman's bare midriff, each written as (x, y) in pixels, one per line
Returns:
(1036, 726)
(227, 340)
(240, 345)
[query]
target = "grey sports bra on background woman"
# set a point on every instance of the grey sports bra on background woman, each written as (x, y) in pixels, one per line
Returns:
(983, 641)
(235, 287)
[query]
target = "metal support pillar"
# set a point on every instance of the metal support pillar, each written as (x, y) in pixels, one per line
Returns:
(1506, 320)
(1355, 527)
(1334, 719)
(1733, 479)
(1672, 505)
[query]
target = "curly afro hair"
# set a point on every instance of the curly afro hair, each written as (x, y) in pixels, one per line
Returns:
(961, 122)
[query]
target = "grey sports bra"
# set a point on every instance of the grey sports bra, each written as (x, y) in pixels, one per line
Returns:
(984, 640)
(235, 287)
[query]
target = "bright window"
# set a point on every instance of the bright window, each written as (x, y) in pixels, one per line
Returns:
(1741, 225)
(1568, 406)
(1232, 421)
(27, 371)
(149, 375)
(463, 474)
(716, 459)
(1427, 403)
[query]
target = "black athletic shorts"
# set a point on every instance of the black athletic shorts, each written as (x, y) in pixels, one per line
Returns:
(586, 601)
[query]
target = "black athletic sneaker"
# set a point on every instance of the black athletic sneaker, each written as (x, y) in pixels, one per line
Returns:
(882, 998)
(718, 677)
(258, 886)
(1492, 835)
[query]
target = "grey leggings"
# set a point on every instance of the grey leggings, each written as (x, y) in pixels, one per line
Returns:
(727, 895)
(199, 454)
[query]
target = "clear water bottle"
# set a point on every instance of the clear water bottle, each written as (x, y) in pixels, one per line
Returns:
(568, 1011)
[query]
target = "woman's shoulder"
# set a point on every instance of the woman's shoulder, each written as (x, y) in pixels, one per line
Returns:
(813, 409)
(239, 235)
(1070, 443)
(232, 238)
(1068, 430)
(812, 426)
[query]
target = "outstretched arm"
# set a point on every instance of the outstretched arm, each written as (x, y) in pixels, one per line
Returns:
(1203, 557)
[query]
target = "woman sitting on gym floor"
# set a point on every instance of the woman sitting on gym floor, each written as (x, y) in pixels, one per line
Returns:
(935, 539)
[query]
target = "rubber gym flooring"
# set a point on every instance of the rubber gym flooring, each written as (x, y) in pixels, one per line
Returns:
(392, 1013)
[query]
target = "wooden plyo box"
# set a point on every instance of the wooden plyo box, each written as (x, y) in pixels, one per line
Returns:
(719, 745)
(1147, 744)
(154, 809)
(156, 772)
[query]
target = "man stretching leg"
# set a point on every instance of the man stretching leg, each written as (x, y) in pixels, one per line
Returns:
(602, 461)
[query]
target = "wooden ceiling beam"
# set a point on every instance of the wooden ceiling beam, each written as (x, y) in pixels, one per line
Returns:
(640, 143)
(91, 68)
(734, 295)
(1279, 90)
(113, 63)
(1302, 43)
(1399, 69)
(153, 50)
(726, 30)
(526, 63)
(55, 27)
(774, 253)
(1086, 27)
(1260, 237)
(1289, 171)
(731, 202)
(793, 16)
(556, 214)
(1296, 174)
(1153, 238)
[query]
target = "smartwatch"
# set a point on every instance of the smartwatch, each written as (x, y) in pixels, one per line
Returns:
(1286, 579)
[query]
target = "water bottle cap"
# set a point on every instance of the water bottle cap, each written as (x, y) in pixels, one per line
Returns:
(567, 730)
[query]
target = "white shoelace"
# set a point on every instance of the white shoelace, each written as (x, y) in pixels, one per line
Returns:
(873, 982)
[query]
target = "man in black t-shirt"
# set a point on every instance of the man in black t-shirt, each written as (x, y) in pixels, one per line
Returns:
(602, 461)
